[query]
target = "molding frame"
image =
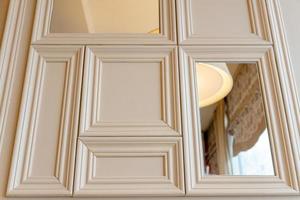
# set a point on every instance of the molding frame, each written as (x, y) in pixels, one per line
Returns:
(42, 35)
(261, 34)
(89, 185)
(96, 57)
(13, 53)
(287, 79)
(17, 29)
(285, 181)
(22, 182)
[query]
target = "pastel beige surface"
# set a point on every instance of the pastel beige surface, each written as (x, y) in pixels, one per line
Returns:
(104, 115)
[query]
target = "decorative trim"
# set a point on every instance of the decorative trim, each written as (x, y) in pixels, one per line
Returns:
(88, 184)
(285, 181)
(15, 37)
(259, 35)
(13, 43)
(287, 83)
(42, 35)
(96, 57)
(22, 181)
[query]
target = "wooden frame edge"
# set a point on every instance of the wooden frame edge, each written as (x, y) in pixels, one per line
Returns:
(286, 75)
(42, 35)
(199, 185)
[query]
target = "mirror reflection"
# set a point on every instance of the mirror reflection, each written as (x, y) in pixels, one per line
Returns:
(105, 16)
(233, 124)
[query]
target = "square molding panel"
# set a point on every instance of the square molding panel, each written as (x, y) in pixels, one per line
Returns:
(129, 167)
(223, 22)
(44, 152)
(130, 91)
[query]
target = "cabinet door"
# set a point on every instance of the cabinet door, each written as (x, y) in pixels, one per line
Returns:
(121, 166)
(130, 91)
(223, 22)
(44, 151)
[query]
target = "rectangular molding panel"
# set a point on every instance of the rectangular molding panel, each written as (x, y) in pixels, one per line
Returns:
(130, 91)
(167, 35)
(44, 152)
(129, 166)
(197, 182)
(223, 22)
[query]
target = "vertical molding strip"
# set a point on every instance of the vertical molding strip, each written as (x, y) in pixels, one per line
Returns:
(16, 33)
(287, 79)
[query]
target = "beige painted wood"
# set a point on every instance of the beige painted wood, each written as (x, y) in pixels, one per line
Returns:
(44, 151)
(129, 166)
(16, 41)
(12, 65)
(287, 78)
(42, 34)
(130, 91)
(13, 58)
(3, 13)
(285, 181)
(222, 22)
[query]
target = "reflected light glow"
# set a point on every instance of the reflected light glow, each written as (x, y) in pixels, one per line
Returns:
(214, 82)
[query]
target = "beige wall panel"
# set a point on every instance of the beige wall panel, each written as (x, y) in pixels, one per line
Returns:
(129, 166)
(130, 91)
(290, 11)
(44, 152)
(24, 184)
(223, 22)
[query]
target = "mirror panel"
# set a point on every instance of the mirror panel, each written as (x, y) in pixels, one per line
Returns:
(233, 124)
(105, 16)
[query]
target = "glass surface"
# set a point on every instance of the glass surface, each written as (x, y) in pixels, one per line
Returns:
(105, 16)
(234, 129)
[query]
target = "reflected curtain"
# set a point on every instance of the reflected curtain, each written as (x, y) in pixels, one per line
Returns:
(245, 109)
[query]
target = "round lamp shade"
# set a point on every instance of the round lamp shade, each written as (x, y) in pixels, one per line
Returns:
(214, 82)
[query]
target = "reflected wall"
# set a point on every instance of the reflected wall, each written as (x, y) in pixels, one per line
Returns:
(106, 16)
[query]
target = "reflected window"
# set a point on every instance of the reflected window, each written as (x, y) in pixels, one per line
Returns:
(105, 16)
(233, 124)
(256, 160)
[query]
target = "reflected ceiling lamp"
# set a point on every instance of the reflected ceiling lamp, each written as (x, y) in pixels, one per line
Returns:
(214, 82)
